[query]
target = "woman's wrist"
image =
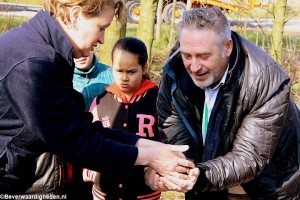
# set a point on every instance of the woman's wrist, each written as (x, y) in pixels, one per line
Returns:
(143, 156)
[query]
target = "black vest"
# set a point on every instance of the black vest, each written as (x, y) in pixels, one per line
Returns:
(139, 118)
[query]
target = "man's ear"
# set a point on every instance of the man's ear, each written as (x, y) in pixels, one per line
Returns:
(229, 47)
(74, 13)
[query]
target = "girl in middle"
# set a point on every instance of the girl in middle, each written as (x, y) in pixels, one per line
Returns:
(128, 104)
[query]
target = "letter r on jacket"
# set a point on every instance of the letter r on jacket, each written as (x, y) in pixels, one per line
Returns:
(143, 125)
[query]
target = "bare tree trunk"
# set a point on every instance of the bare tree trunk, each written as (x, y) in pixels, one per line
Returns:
(114, 32)
(145, 30)
(188, 4)
(159, 19)
(277, 30)
(172, 28)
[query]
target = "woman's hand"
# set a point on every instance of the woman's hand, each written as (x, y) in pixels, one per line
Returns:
(165, 159)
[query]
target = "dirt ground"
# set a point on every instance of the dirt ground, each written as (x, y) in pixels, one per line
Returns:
(236, 193)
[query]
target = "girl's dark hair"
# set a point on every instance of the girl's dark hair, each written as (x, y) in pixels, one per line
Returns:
(134, 46)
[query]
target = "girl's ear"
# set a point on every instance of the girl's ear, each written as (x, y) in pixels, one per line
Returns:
(145, 69)
(145, 72)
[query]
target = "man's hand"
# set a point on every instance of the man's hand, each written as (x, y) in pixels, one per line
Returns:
(180, 183)
(152, 179)
(173, 182)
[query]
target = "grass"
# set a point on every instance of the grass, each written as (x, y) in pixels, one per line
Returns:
(8, 22)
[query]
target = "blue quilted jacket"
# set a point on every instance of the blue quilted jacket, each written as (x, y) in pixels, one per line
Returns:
(91, 83)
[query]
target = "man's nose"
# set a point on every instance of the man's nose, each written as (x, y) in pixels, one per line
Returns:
(195, 65)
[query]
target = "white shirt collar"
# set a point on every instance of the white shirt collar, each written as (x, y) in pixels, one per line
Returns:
(222, 82)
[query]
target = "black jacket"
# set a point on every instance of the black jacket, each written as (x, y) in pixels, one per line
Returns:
(257, 122)
(40, 111)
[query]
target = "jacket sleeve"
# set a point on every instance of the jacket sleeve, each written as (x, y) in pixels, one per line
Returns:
(262, 111)
(42, 95)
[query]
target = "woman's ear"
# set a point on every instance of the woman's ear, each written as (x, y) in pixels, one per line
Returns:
(74, 14)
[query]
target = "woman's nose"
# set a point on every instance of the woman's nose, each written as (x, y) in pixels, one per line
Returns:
(101, 38)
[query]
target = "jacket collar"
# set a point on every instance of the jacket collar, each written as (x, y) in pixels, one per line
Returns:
(52, 33)
(236, 62)
(167, 68)
(145, 86)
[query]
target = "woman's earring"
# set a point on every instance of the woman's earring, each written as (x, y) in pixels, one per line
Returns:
(75, 26)
(69, 26)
